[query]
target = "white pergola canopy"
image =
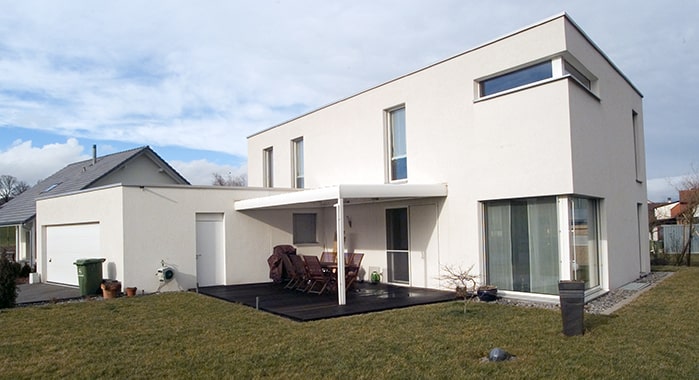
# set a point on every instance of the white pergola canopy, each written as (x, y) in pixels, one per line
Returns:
(338, 196)
(355, 194)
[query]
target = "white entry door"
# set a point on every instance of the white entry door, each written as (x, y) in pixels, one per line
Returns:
(211, 265)
(423, 244)
(64, 245)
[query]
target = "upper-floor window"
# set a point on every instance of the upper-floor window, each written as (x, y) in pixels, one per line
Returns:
(554, 68)
(268, 167)
(517, 78)
(575, 73)
(398, 153)
(298, 163)
(637, 144)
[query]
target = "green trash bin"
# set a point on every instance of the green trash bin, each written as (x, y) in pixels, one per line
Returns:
(89, 275)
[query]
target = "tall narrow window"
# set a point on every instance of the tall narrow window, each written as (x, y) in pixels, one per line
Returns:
(637, 147)
(298, 163)
(398, 165)
(268, 167)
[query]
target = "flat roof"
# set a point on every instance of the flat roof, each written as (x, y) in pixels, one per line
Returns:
(352, 194)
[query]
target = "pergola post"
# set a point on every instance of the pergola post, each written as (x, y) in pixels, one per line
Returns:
(340, 225)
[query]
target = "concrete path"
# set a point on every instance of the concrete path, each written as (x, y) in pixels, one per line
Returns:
(42, 292)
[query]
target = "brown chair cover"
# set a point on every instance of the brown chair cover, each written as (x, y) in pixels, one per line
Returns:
(276, 268)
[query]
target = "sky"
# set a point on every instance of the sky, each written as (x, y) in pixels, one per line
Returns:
(193, 79)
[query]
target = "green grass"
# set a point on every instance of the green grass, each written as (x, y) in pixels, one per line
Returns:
(185, 335)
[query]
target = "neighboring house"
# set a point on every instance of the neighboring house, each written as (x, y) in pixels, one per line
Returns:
(523, 157)
(660, 214)
(137, 166)
(669, 225)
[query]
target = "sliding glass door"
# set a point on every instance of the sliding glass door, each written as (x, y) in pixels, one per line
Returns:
(522, 245)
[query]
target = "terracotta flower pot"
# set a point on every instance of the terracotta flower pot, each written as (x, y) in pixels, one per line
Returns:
(131, 291)
(110, 289)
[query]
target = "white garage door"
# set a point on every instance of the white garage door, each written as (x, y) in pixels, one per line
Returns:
(64, 245)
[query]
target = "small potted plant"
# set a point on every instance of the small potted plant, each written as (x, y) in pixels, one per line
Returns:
(375, 277)
(487, 293)
(131, 291)
(110, 288)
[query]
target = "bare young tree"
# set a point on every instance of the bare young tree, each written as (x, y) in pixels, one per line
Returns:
(462, 280)
(689, 203)
(11, 187)
(229, 180)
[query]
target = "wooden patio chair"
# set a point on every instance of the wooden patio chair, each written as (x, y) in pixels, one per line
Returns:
(352, 270)
(355, 260)
(328, 257)
(300, 269)
(291, 271)
(317, 277)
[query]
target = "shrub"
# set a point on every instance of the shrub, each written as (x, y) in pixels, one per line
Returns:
(8, 288)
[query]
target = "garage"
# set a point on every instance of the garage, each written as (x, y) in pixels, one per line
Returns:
(65, 244)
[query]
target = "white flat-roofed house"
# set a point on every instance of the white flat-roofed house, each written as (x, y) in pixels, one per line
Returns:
(523, 157)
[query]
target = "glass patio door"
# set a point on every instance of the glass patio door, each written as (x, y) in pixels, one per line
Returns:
(397, 246)
(584, 255)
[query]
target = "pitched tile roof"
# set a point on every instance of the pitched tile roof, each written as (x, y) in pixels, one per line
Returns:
(74, 177)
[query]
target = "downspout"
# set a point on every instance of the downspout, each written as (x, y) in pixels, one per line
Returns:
(340, 225)
(18, 241)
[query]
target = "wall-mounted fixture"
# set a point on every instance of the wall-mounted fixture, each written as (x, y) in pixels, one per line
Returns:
(165, 274)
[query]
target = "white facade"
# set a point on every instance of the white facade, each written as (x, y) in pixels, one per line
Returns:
(558, 139)
(140, 228)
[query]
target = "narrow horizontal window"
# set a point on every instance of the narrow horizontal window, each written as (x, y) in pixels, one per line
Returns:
(516, 78)
(572, 71)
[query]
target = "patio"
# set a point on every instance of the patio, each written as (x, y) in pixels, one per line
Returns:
(302, 307)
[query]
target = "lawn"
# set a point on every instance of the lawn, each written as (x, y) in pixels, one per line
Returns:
(186, 335)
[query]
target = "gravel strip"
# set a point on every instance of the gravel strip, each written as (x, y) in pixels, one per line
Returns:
(606, 304)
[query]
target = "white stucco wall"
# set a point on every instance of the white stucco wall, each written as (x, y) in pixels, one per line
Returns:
(102, 207)
(142, 226)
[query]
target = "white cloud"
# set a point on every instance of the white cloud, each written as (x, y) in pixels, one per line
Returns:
(31, 164)
(206, 75)
(200, 172)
